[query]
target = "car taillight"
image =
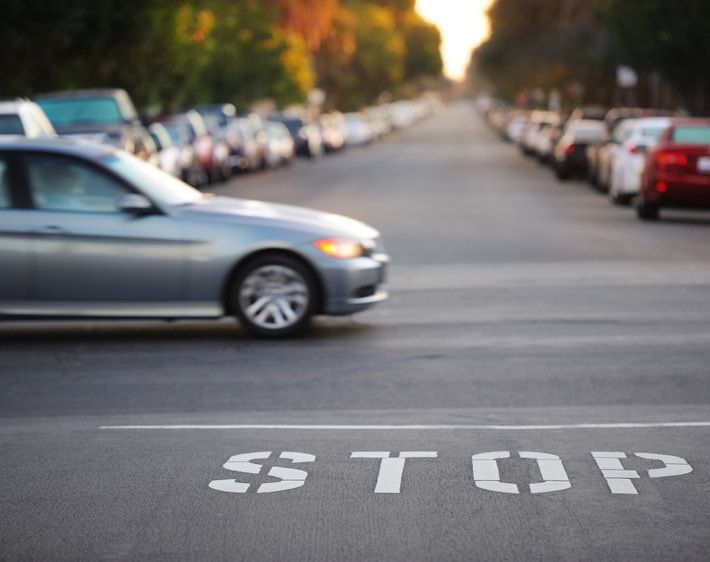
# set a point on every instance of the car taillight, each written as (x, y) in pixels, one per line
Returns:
(666, 159)
(569, 150)
(661, 187)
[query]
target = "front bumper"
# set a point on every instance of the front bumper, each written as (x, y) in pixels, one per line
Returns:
(354, 285)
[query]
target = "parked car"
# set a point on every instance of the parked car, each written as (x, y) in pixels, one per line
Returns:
(200, 139)
(306, 136)
(538, 123)
(90, 231)
(221, 114)
(280, 145)
(569, 155)
(333, 131)
(24, 118)
(640, 136)
(169, 154)
(601, 157)
(357, 129)
(101, 115)
(515, 127)
(254, 144)
(192, 171)
(676, 173)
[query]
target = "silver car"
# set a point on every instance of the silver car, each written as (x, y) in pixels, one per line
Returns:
(90, 231)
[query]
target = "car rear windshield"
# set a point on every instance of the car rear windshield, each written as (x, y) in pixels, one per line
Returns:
(10, 124)
(82, 111)
(692, 135)
(652, 132)
(588, 135)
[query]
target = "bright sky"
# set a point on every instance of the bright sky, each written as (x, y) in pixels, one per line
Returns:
(463, 25)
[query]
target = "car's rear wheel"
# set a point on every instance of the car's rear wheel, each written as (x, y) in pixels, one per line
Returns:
(647, 211)
(274, 296)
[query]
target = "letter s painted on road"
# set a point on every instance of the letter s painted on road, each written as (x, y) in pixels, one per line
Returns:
(290, 478)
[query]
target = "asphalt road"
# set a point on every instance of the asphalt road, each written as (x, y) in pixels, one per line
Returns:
(526, 316)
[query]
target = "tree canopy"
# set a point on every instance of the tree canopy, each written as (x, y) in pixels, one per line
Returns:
(575, 46)
(170, 53)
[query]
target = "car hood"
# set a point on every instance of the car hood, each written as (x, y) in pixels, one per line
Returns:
(111, 134)
(278, 216)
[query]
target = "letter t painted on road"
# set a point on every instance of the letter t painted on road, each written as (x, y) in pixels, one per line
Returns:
(389, 479)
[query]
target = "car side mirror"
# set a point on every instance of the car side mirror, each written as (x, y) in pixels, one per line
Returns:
(135, 204)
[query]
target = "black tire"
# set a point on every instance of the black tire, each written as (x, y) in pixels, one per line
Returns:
(265, 277)
(619, 199)
(647, 211)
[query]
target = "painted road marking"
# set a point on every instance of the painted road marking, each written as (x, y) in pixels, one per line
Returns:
(389, 479)
(619, 479)
(486, 474)
(290, 478)
(420, 427)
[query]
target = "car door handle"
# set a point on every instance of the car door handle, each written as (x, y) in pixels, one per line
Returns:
(50, 230)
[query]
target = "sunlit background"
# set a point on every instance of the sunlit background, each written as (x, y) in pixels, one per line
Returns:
(463, 25)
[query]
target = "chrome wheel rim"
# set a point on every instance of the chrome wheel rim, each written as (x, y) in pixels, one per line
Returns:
(274, 297)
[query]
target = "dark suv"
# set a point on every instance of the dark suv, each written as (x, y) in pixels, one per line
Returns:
(102, 115)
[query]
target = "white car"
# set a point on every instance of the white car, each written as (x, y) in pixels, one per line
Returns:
(638, 137)
(539, 122)
(358, 129)
(24, 118)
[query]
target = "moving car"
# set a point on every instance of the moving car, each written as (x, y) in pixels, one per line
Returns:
(24, 118)
(90, 231)
(677, 172)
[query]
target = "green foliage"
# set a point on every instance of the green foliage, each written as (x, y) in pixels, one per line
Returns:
(672, 38)
(392, 48)
(171, 53)
(575, 46)
(546, 44)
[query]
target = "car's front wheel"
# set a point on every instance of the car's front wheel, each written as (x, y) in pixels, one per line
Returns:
(274, 296)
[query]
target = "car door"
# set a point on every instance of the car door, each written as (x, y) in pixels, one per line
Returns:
(15, 234)
(87, 250)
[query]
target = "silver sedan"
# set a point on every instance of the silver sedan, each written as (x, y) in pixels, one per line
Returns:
(89, 231)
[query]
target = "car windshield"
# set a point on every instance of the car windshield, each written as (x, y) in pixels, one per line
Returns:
(155, 183)
(10, 124)
(82, 111)
(692, 135)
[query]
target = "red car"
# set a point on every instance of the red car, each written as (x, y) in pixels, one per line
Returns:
(677, 172)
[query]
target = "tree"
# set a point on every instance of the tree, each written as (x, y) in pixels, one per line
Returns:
(670, 38)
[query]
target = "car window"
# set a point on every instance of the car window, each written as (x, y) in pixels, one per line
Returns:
(5, 201)
(65, 184)
(652, 132)
(588, 135)
(691, 135)
(81, 111)
(10, 124)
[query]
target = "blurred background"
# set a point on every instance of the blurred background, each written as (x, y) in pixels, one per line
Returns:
(540, 53)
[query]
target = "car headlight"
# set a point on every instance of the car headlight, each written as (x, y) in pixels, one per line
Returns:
(340, 248)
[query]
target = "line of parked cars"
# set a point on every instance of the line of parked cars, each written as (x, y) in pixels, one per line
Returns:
(205, 144)
(648, 158)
